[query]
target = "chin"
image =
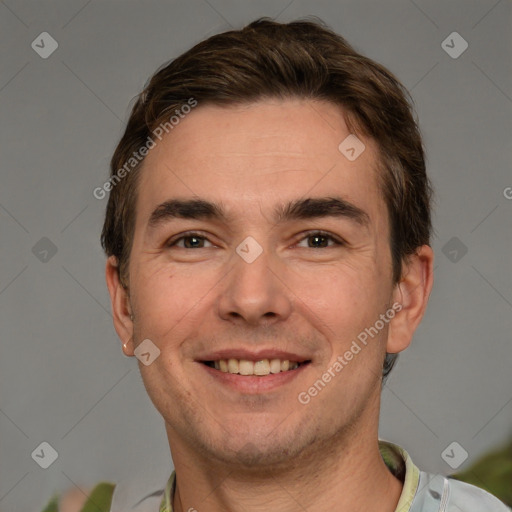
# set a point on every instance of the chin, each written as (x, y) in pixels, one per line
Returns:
(261, 449)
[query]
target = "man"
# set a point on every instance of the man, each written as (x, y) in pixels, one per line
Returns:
(267, 234)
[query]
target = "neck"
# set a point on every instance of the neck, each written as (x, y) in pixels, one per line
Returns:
(345, 473)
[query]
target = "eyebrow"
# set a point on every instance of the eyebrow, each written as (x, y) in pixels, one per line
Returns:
(309, 208)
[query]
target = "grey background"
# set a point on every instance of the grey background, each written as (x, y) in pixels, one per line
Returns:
(63, 377)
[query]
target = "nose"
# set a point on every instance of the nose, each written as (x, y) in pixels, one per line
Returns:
(255, 292)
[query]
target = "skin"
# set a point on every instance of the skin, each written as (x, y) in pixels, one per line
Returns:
(239, 451)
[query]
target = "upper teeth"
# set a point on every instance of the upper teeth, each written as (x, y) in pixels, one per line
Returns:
(263, 367)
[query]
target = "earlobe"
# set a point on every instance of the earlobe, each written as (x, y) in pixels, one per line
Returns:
(120, 303)
(412, 293)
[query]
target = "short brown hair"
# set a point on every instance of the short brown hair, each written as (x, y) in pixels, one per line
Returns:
(301, 59)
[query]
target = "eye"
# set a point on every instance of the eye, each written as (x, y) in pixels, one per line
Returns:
(320, 239)
(190, 240)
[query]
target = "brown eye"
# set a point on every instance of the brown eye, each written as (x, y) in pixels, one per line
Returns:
(190, 241)
(320, 240)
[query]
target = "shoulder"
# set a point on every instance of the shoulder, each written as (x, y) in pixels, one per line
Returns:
(436, 492)
(473, 499)
(138, 493)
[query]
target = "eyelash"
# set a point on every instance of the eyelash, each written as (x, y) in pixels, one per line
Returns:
(308, 234)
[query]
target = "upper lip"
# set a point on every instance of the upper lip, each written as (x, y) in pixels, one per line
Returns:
(252, 356)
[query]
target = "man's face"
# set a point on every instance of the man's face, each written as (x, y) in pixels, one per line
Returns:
(305, 298)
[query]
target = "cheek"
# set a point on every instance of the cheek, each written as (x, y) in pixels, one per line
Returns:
(345, 302)
(168, 299)
(345, 297)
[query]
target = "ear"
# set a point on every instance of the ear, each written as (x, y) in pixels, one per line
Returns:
(412, 293)
(121, 308)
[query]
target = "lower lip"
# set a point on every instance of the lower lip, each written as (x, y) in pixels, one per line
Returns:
(254, 384)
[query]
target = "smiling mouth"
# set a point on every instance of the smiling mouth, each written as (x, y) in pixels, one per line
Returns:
(255, 368)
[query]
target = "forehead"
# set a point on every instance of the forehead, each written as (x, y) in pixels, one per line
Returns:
(269, 151)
